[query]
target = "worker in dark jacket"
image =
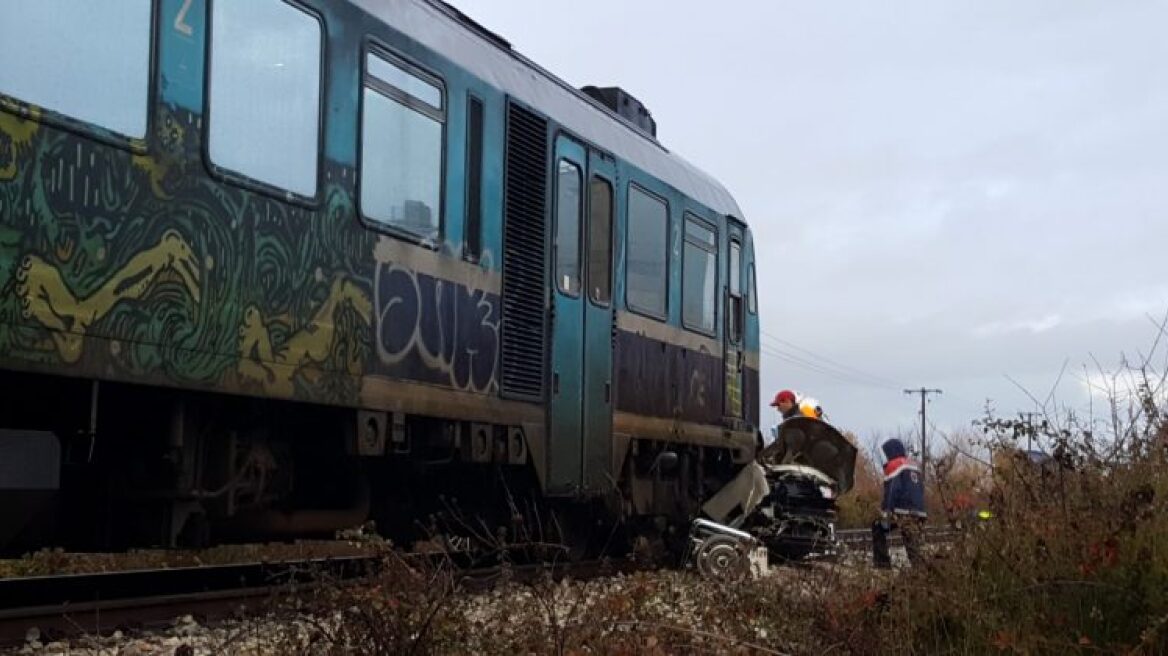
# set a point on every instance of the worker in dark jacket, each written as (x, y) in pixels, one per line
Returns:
(903, 506)
(787, 405)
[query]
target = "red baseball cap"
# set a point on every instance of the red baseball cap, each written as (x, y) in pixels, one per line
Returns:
(785, 395)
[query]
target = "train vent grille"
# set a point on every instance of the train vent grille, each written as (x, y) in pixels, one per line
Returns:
(524, 330)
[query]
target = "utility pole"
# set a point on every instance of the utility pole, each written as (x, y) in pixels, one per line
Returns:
(1029, 430)
(924, 444)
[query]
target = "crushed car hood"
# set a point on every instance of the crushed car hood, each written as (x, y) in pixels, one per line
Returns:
(813, 443)
(803, 471)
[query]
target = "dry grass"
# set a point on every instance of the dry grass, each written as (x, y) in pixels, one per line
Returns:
(1075, 560)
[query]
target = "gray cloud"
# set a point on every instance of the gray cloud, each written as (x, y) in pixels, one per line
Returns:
(958, 190)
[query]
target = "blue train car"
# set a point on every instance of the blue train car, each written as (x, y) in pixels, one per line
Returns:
(282, 266)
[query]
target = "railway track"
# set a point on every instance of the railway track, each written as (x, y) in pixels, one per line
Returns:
(63, 606)
(71, 605)
(861, 538)
(74, 604)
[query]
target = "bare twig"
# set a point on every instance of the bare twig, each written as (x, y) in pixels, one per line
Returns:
(1025, 391)
(1057, 381)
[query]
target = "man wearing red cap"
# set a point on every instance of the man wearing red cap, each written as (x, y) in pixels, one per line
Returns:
(786, 403)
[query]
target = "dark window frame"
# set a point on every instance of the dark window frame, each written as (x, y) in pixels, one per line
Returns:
(472, 225)
(377, 47)
(599, 177)
(10, 104)
(240, 179)
(712, 250)
(631, 187)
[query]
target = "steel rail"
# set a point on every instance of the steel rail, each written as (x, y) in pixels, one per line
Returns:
(75, 604)
(862, 537)
(71, 605)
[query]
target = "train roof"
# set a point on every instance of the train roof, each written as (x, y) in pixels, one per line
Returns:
(449, 32)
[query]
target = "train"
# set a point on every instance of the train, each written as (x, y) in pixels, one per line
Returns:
(278, 268)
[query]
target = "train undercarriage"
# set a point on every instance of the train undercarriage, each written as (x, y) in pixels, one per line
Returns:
(110, 466)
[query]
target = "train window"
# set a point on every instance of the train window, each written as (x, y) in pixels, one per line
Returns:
(568, 228)
(735, 269)
(401, 147)
(265, 90)
(647, 265)
(734, 302)
(474, 178)
(600, 241)
(699, 276)
(752, 292)
(85, 60)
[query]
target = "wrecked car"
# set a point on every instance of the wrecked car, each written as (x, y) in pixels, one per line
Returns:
(786, 500)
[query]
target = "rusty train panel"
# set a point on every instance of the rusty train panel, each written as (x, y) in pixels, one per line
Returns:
(659, 379)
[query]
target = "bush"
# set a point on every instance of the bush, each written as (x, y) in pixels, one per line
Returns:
(861, 505)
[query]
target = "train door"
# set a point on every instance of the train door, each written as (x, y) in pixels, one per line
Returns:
(733, 357)
(598, 323)
(566, 414)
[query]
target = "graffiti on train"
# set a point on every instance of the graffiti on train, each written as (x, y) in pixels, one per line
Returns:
(436, 330)
(131, 266)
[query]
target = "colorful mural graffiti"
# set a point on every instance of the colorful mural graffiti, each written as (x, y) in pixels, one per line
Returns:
(323, 345)
(142, 267)
(45, 296)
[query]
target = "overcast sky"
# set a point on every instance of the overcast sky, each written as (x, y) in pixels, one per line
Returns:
(942, 193)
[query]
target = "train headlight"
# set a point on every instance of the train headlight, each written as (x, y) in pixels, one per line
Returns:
(827, 492)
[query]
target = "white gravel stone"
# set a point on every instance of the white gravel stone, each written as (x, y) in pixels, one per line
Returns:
(500, 610)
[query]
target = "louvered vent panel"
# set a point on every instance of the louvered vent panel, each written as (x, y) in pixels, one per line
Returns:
(524, 324)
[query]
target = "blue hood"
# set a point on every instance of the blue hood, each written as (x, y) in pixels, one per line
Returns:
(892, 448)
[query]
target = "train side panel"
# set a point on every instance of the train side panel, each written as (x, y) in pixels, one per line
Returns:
(227, 324)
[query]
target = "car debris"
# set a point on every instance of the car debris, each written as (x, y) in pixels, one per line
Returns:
(786, 500)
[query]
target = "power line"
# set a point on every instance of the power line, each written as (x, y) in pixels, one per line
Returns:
(826, 363)
(960, 451)
(880, 381)
(787, 358)
(819, 368)
(828, 360)
(836, 372)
